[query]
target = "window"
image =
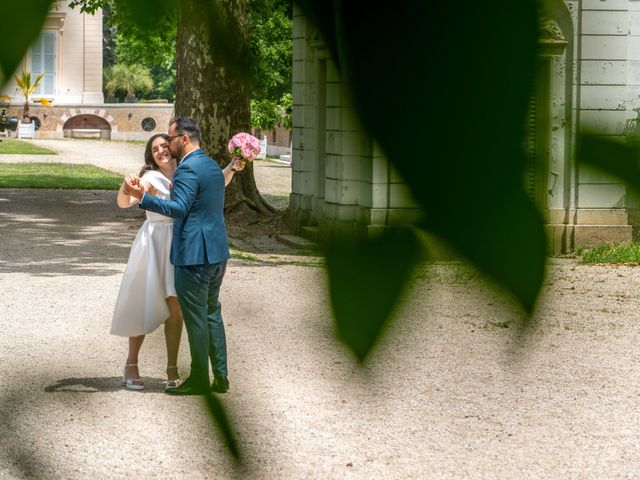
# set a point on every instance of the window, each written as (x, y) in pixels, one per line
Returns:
(43, 59)
(148, 124)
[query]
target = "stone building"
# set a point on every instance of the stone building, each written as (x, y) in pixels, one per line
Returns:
(340, 179)
(69, 52)
(588, 79)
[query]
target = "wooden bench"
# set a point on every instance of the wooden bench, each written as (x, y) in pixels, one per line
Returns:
(85, 133)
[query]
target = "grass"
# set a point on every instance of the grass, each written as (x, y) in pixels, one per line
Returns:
(58, 176)
(238, 255)
(627, 253)
(12, 146)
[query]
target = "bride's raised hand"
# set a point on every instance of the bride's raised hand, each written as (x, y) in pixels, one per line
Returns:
(237, 164)
(131, 179)
(130, 191)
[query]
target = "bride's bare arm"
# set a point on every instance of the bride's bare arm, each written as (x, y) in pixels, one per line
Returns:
(234, 166)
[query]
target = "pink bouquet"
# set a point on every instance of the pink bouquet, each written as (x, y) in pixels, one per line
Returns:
(244, 147)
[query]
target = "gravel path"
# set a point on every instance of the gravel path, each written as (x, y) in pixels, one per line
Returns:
(452, 391)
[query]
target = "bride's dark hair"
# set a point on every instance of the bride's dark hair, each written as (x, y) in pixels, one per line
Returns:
(149, 162)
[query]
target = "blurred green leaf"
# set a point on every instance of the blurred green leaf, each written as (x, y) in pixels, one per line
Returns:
(501, 233)
(448, 107)
(222, 422)
(26, 20)
(612, 157)
(366, 280)
(322, 14)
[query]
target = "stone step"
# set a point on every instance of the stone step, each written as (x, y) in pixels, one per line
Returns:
(297, 242)
(310, 232)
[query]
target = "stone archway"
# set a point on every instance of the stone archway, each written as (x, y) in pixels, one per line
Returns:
(87, 125)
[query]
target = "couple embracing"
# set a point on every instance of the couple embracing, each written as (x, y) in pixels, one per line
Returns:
(182, 190)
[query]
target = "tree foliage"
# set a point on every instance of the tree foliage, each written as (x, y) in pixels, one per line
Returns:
(270, 24)
(155, 50)
(151, 44)
(162, 70)
(129, 80)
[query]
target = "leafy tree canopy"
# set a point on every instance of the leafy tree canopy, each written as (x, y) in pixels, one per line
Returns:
(270, 27)
(153, 46)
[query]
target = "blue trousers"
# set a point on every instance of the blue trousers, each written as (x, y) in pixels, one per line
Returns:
(198, 288)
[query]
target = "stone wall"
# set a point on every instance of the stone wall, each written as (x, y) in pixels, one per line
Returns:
(608, 82)
(340, 179)
(279, 140)
(124, 120)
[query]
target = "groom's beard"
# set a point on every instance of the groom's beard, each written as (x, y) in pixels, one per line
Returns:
(178, 153)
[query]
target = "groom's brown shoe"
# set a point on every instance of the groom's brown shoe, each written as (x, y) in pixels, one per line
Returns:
(188, 388)
(220, 385)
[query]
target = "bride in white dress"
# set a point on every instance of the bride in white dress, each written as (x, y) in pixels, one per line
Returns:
(147, 296)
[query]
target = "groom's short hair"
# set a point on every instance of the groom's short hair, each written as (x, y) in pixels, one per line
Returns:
(188, 126)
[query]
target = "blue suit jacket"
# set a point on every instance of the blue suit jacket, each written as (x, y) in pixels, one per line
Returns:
(197, 205)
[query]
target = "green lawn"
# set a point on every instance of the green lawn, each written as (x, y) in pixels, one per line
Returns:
(57, 176)
(13, 146)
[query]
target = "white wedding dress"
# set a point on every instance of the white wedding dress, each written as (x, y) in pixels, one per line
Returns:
(148, 277)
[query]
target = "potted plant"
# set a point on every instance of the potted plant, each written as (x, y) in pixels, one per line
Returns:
(122, 79)
(27, 86)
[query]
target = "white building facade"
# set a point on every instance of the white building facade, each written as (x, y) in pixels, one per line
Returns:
(340, 179)
(69, 53)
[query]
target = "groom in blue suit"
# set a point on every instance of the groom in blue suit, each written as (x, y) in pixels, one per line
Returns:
(199, 253)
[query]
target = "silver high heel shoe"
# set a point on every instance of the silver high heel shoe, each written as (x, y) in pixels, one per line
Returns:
(171, 384)
(131, 383)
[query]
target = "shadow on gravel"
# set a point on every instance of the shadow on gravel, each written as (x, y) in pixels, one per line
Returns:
(102, 384)
(19, 456)
(52, 233)
(65, 232)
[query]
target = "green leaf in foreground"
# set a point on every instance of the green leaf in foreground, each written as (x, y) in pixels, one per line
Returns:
(22, 25)
(612, 157)
(57, 176)
(500, 231)
(460, 155)
(366, 281)
(216, 409)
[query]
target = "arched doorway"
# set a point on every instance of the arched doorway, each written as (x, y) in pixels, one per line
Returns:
(87, 126)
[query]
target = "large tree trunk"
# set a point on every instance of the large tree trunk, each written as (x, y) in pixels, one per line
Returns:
(212, 85)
